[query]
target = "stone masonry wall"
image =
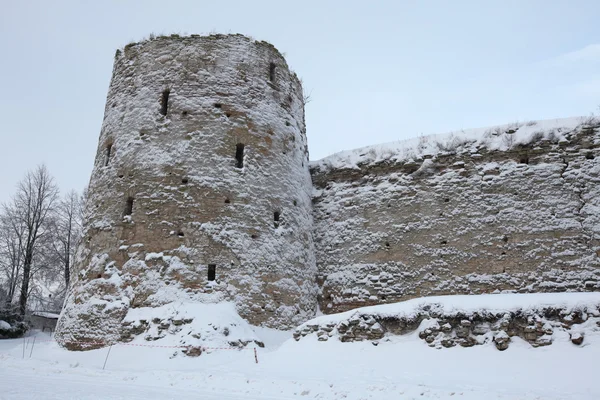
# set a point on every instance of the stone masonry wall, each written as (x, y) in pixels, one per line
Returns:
(168, 196)
(461, 222)
(201, 192)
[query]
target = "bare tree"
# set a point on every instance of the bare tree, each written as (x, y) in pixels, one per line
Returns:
(32, 206)
(12, 232)
(67, 232)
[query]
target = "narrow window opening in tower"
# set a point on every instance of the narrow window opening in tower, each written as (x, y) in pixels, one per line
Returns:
(107, 154)
(276, 218)
(185, 181)
(180, 233)
(227, 201)
(524, 160)
(212, 272)
(129, 206)
(589, 156)
(164, 102)
(239, 155)
(272, 67)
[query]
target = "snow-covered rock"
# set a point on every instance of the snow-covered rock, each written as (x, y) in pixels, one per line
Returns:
(447, 321)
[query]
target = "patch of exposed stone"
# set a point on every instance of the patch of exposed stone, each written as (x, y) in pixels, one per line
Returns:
(537, 327)
(155, 329)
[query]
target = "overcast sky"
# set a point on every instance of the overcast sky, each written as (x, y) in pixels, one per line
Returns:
(376, 71)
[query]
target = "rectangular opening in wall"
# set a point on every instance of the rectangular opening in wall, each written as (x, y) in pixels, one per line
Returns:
(212, 272)
(276, 216)
(272, 67)
(128, 206)
(107, 154)
(164, 102)
(239, 155)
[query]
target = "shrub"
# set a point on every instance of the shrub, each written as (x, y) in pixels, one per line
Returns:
(11, 325)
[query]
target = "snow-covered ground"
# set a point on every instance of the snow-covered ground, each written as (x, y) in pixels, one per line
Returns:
(402, 368)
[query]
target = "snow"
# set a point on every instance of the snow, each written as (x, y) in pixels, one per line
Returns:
(402, 368)
(192, 324)
(4, 325)
(46, 315)
(501, 137)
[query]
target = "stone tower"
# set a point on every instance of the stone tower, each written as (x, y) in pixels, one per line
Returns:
(200, 190)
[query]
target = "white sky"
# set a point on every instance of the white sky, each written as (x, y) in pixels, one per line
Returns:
(377, 71)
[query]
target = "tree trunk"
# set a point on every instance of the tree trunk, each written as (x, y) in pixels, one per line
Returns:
(25, 285)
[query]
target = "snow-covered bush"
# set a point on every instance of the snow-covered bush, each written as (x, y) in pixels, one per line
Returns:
(11, 325)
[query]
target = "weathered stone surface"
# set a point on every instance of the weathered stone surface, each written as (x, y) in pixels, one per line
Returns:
(462, 331)
(193, 351)
(577, 338)
(448, 342)
(501, 339)
(536, 326)
(480, 329)
(168, 197)
(201, 191)
(545, 340)
(480, 221)
(467, 342)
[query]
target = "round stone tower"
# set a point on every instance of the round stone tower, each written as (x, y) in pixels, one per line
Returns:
(200, 190)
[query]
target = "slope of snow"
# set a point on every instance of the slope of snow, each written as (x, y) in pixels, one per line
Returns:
(502, 137)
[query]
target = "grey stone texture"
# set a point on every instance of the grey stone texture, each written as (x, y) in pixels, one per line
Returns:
(523, 220)
(175, 169)
(179, 210)
(464, 328)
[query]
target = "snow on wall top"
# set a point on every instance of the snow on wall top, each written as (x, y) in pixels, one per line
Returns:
(501, 137)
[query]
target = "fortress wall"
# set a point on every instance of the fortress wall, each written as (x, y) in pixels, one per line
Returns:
(201, 192)
(462, 221)
(168, 198)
